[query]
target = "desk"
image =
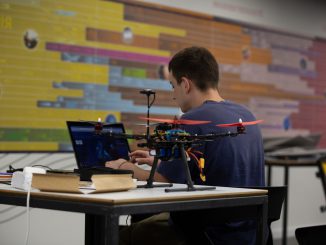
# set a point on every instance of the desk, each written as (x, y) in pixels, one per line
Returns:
(286, 163)
(102, 211)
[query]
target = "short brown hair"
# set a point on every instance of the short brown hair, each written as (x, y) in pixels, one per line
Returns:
(196, 64)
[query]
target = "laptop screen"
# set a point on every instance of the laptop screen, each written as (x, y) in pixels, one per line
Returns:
(93, 150)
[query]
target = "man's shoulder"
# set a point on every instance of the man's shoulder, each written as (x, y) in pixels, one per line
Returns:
(223, 109)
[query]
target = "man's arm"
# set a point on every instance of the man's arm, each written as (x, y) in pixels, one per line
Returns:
(139, 173)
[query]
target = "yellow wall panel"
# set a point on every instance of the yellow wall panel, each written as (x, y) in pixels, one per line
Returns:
(60, 72)
(35, 83)
(21, 51)
(49, 117)
(38, 94)
(29, 146)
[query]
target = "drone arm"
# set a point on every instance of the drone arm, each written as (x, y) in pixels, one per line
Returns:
(213, 136)
(125, 136)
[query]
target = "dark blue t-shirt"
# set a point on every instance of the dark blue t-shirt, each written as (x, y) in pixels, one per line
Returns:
(229, 161)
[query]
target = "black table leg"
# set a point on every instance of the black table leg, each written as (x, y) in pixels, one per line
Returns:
(262, 223)
(92, 223)
(101, 230)
(285, 213)
(269, 175)
(112, 229)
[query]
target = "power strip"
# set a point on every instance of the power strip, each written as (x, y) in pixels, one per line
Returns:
(23, 180)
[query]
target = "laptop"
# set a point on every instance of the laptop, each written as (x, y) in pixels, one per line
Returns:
(93, 150)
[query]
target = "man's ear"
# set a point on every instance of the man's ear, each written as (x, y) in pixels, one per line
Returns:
(186, 83)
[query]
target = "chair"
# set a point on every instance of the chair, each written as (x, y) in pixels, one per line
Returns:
(196, 235)
(315, 235)
(276, 196)
(322, 175)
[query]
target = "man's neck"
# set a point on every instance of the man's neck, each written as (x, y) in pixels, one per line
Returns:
(198, 97)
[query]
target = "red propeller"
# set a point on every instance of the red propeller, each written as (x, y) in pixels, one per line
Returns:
(240, 123)
(175, 121)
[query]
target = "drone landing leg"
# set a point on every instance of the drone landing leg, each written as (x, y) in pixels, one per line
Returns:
(190, 184)
(151, 178)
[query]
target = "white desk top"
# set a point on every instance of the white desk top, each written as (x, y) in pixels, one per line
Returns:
(142, 195)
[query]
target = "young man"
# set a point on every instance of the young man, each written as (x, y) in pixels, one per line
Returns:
(229, 161)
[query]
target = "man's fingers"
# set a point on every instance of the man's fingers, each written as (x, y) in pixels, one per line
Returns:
(142, 161)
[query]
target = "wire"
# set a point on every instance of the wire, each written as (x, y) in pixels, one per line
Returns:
(28, 212)
(127, 219)
(12, 169)
(6, 182)
(191, 153)
(152, 102)
(43, 166)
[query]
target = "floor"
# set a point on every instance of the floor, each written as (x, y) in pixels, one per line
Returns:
(290, 241)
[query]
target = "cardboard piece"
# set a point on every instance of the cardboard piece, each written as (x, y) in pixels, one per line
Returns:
(71, 184)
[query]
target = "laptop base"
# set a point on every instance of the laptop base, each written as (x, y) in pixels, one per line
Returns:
(87, 173)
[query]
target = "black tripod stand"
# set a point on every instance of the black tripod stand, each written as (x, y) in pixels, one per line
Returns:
(190, 184)
(150, 179)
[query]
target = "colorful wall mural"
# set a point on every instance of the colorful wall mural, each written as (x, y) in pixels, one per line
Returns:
(85, 59)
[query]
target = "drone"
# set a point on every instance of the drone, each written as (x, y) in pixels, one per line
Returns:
(169, 141)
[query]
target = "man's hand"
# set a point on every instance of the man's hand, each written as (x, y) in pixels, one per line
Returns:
(141, 157)
(120, 164)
